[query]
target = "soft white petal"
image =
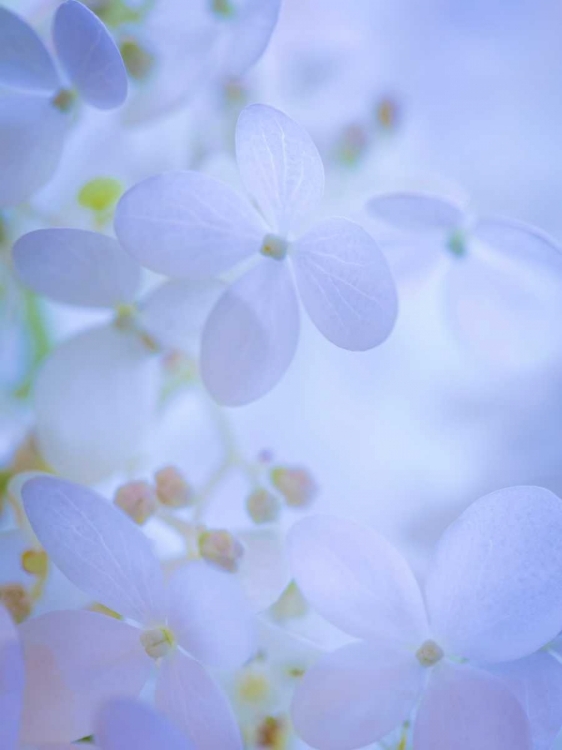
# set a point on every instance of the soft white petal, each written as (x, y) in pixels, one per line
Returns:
(97, 547)
(32, 133)
(357, 580)
(209, 615)
(89, 55)
(24, 60)
(95, 400)
(467, 709)
(187, 224)
(280, 166)
(264, 570)
(76, 267)
(126, 724)
(345, 284)
(355, 696)
(416, 212)
(11, 680)
(519, 241)
(494, 589)
(75, 661)
(537, 682)
(175, 312)
(249, 35)
(196, 704)
(251, 335)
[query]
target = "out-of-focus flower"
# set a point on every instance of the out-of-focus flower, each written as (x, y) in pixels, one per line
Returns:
(138, 499)
(262, 506)
(295, 484)
(499, 559)
(37, 100)
(76, 660)
(96, 394)
(172, 488)
(504, 278)
(186, 224)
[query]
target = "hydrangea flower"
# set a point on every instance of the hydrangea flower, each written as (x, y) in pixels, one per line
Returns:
(211, 41)
(37, 101)
(503, 277)
(76, 660)
(493, 596)
(96, 394)
(189, 225)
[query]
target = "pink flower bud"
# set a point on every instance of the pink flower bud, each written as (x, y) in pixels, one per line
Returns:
(172, 488)
(220, 547)
(295, 484)
(263, 506)
(138, 500)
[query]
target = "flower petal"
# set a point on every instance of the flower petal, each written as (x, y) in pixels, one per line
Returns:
(210, 616)
(32, 134)
(416, 212)
(249, 35)
(537, 683)
(345, 284)
(465, 708)
(250, 337)
(123, 724)
(175, 312)
(280, 166)
(357, 580)
(355, 696)
(264, 571)
(11, 680)
(519, 241)
(24, 60)
(89, 55)
(196, 704)
(187, 224)
(95, 399)
(76, 267)
(500, 561)
(97, 547)
(75, 661)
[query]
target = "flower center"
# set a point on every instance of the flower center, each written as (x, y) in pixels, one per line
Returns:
(274, 247)
(157, 642)
(429, 653)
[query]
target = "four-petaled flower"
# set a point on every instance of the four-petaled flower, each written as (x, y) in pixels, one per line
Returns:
(465, 654)
(189, 225)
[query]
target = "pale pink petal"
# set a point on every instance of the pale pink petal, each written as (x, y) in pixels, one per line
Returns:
(210, 616)
(75, 661)
(357, 580)
(355, 696)
(196, 704)
(468, 709)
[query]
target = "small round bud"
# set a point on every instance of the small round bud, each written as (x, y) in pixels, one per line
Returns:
(253, 685)
(35, 561)
(100, 195)
(172, 488)
(138, 60)
(263, 506)
(295, 484)
(157, 642)
(272, 733)
(218, 546)
(16, 600)
(138, 500)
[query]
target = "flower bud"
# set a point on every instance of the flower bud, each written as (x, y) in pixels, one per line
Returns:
(17, 601)
(295, 484)
(263, 506)
(172, 488)
(138, 500)
(218, 546)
